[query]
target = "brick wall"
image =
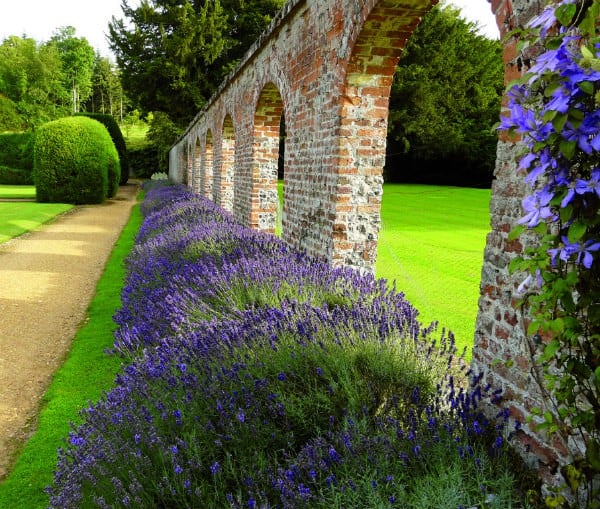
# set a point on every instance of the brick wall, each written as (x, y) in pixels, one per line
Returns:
(327, 66)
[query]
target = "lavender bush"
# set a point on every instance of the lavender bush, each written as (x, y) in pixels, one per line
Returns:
(263, 378)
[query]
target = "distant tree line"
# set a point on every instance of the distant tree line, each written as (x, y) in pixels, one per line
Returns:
(171, 56)
(444, 104)
(42, 81)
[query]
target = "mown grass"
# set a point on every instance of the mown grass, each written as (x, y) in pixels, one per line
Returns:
(431, 243)
(17, 191)
(135, 135)
(17, 218)
(86, 373)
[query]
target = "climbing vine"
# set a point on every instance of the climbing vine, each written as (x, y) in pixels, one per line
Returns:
(555, 107)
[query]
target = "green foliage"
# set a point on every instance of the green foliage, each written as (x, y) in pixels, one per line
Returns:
(161, 136)
(117, 137)
(31, 77)
(107, 93)
(77, 57)
(173, 56)
(10, 120)
(16, 150)
(143, 161)
(74, 158)
(444, 102)
(14, 176)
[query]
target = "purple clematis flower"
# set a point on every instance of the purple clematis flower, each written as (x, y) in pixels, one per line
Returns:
(537, 207)
(582, 251)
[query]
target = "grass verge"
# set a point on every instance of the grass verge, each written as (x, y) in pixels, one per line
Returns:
(86, 373)
(431, 243)
(17, 218)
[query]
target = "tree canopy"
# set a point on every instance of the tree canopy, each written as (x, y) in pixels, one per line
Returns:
(173, 54)
(30, 81)
(444, 103)
(42, 81)
(77, 57)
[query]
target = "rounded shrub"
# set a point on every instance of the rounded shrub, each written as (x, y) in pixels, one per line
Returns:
(75, 160)
(117, 137)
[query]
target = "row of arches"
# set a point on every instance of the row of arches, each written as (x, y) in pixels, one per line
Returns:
(324, 70)
(210, 161)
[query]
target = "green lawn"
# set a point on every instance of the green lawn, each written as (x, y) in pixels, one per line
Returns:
(17, 191)
(17, 218)
(431, 243)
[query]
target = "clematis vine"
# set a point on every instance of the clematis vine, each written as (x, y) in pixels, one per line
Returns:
(555, 108)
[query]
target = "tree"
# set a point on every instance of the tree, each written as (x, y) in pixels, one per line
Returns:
(173, 54)
(31, 78)
(444, 103)
(107, 93)
(77, 56)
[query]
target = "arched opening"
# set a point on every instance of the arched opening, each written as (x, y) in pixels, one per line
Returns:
(224, 178)
(407, 225)
(267, 128)
(196, 167)
(281, 177)
(207, 167)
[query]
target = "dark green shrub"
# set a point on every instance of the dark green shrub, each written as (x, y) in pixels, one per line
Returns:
(143, 162)
(161, 135)
(72, 160)
(117, 137)
(15, 176)
(16, 150)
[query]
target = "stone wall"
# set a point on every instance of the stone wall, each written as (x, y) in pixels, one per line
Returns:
(327, 66)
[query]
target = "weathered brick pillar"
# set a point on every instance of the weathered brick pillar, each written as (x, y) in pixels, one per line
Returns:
(502, 348)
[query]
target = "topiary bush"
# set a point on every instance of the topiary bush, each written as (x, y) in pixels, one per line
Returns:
(117, 137)
(75, 161)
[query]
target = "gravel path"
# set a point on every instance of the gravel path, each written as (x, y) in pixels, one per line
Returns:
(47, 280)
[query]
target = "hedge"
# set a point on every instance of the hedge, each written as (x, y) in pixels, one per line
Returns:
(117, 137)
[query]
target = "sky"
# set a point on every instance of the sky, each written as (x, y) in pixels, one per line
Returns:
(39, 19)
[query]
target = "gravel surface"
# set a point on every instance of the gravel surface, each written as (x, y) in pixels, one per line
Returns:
(47, 280)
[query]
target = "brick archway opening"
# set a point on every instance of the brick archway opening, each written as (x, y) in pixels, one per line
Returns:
(206, 174)
(363, 133)
(224, 176)
(267, 129)
(195, 168)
